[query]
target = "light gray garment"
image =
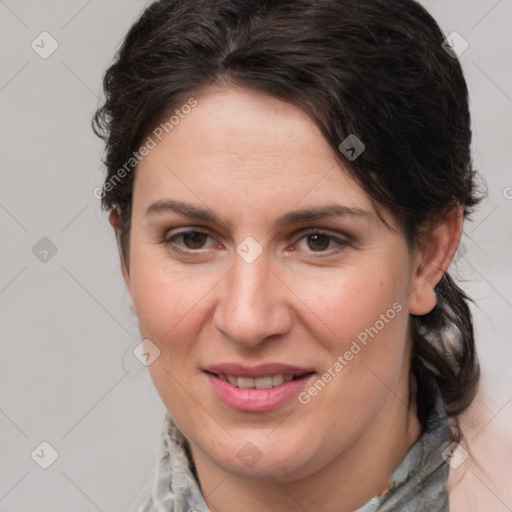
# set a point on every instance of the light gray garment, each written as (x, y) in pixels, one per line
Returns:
(417, 484)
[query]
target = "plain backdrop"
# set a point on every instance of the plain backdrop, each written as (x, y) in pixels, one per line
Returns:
(67, 373)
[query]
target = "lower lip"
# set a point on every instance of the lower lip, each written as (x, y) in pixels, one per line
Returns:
(257, 400)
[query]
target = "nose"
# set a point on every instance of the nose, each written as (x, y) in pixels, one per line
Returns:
(252, 306)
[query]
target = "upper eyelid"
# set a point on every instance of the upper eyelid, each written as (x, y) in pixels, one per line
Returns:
(191, 229)
(184, 231)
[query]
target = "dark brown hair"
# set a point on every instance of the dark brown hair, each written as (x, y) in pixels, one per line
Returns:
(373, 68)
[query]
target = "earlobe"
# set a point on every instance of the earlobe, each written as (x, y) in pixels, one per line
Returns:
(440, 239)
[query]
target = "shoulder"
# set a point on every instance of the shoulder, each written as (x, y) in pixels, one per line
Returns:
(481, 468)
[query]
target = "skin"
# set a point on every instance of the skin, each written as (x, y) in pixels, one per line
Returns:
(250, 159)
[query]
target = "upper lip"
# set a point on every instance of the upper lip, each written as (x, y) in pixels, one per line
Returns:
(261, 370)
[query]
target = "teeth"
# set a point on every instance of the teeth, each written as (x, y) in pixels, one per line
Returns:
(277, 380)
(266, 382)
(245, 382)
(263, 382)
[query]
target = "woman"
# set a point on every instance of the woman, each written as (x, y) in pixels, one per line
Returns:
(288, 182)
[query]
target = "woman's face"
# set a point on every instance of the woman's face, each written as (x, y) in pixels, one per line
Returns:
(254, 256)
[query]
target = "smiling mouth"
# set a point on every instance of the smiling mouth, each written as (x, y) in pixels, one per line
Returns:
(264, 382)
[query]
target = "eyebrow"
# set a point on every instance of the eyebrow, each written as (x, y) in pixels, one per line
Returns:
(294, 217)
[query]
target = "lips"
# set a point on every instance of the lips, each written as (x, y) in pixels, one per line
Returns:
(257, 388)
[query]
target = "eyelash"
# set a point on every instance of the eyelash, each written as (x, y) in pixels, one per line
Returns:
(167, 241)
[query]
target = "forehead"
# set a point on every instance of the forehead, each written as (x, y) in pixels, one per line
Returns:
(242, 148)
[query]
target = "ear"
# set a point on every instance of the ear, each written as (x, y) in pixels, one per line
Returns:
(115, 219)
(439, 241)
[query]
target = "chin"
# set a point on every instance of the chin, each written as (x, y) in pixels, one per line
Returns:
(265, 460)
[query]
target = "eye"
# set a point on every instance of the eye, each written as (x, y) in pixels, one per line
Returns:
(195, 241)
(186, 241)
(319, 241)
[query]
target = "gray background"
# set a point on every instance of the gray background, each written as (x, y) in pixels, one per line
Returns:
(67, 373)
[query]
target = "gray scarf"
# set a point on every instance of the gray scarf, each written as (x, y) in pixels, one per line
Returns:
(416, 485)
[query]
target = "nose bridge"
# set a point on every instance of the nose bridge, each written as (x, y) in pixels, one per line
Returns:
(252, 306)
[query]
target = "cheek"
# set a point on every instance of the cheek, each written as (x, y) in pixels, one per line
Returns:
(363, 348)
(172, 307)
(365, 313)
(166, 295)
(355, 301)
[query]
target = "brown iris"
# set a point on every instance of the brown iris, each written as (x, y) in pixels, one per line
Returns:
(318, 242)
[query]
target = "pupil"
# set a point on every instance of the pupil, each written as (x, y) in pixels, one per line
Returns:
(194, 240)
(319, 242)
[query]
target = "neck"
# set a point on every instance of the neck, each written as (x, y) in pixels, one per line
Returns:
(351, 479)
